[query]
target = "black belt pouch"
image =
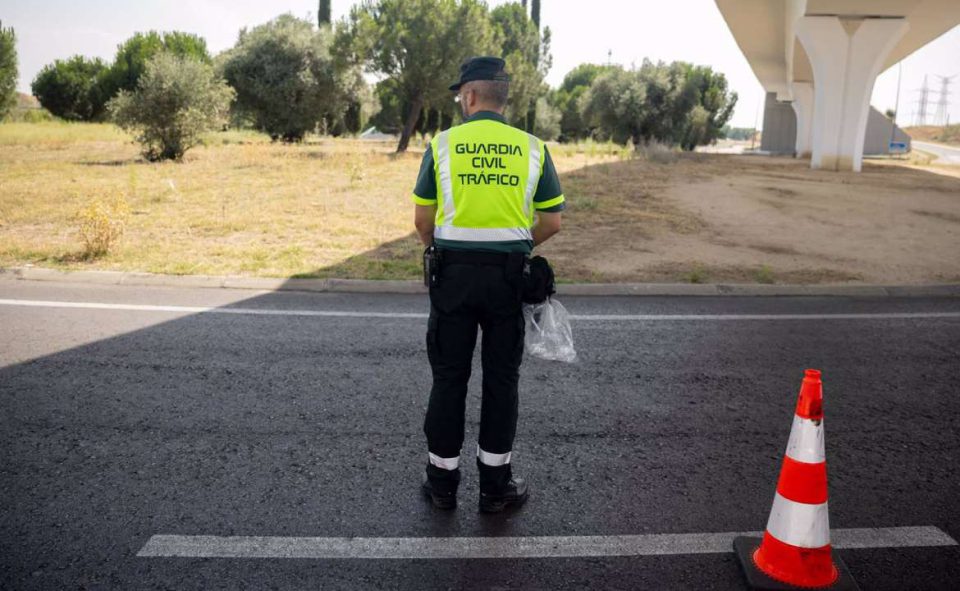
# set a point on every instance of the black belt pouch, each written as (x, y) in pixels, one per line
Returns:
(538, 281)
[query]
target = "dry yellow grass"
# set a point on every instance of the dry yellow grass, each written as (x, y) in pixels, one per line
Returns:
(240, 205)
(949, 134)
(340, 208)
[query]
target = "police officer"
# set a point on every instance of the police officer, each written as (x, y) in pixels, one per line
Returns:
(487, 193)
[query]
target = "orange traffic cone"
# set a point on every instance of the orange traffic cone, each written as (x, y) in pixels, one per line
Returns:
(795, 551)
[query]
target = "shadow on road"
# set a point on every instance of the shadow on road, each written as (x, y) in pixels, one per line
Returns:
(220, 424)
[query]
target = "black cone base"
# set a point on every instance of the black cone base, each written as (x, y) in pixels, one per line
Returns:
(744, 547)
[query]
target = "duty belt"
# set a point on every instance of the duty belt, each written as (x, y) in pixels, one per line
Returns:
(474, 257)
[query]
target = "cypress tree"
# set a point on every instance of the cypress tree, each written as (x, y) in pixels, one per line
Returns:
(323, 13)
(535, 16)
(8, 70)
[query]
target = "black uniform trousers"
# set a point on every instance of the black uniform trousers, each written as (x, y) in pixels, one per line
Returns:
(470, 296)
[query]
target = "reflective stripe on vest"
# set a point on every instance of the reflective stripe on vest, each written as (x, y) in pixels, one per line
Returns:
(487, 173)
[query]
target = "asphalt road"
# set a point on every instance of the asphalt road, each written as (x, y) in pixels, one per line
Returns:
(119, 424)
(944, 154)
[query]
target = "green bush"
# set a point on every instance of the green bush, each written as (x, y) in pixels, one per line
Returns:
(71, 89)
(176, 101)
(133, 54)
(285, 78)
(547, 125)
(21, 115)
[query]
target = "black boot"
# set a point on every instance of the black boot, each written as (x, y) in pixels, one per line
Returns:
(440, 486)
(514, 494)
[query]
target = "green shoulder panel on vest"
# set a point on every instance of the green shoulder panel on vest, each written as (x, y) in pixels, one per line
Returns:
(425, 191)
(549, 197)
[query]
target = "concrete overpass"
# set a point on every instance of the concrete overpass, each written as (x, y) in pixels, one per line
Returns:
(823, 56)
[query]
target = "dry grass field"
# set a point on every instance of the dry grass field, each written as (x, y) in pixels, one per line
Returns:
(239, 205)
(340, 208)
(949, 134)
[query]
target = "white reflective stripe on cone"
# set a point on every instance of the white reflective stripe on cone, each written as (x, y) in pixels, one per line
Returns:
(799, 524)
(806, 441)
(445, 463)
(482, 234)
(490, 459)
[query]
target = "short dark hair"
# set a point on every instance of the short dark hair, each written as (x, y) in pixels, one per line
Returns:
(494, 92)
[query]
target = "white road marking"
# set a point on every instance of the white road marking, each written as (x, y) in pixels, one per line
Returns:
(507, 547)
(882, 316)
(420, 315)
(208, 309)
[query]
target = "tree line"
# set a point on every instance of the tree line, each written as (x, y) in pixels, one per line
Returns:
(290, 77)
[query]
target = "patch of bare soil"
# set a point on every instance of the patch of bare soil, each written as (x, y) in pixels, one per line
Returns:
(732, 218)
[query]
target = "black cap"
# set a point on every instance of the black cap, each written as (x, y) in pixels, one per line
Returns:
(481, 68)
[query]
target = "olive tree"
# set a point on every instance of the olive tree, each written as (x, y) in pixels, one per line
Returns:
(616, 106)
(567, 99)
(713, 106)
(285, 78)
(176, 101)
(677, 103)
(418, 45)
(546, 120)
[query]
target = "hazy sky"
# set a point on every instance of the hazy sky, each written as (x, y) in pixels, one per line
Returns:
(690, 30)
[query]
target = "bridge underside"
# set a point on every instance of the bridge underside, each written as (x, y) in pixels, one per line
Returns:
(823, 57)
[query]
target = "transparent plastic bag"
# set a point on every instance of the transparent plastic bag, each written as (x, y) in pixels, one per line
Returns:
(548, 335)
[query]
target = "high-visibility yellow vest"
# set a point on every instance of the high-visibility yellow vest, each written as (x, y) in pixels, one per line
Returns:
(487, 173)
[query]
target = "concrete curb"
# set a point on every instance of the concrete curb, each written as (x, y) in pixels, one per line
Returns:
(415, 287)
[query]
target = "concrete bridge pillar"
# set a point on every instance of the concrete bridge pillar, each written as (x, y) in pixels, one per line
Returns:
(846, 56)
(803, 107)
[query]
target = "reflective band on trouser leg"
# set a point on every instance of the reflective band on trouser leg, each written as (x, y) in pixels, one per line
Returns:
(446, 177)
(533, 175)
(490, 459)
(444, 463)
(482, 234)
(806, 440)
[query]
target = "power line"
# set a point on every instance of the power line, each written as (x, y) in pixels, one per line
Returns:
(920, 117)
(942, 116)
(930, 98)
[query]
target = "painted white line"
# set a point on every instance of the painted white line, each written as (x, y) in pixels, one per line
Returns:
(529, 547)
(208, 309)
(420, 315)
(886, 316)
